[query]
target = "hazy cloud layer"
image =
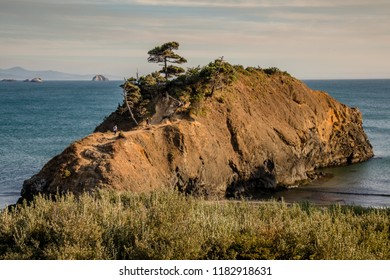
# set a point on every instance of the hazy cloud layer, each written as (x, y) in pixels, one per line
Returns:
(310, 39)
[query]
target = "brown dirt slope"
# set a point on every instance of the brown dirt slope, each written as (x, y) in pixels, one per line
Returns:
(261, 132)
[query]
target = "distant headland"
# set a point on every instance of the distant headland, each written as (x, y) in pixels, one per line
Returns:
(22, 74)
(34, 80)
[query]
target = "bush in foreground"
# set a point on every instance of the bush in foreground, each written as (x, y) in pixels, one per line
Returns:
(168, 225)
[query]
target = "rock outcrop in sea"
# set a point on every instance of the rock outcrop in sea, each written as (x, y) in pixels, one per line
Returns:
(259, 132)
(99, 78)
(36, 80)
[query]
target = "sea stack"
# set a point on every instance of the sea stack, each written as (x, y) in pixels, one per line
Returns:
(262, 130)
(99, 78)
(36, 80)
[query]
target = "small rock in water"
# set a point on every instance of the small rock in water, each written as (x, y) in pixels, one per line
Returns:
(99, 78)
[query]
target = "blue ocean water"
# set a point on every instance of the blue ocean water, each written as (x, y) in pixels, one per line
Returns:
(38, 121)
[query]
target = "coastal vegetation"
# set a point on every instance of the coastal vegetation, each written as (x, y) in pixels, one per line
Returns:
(191, 86)
(165, 54)
(169, 225)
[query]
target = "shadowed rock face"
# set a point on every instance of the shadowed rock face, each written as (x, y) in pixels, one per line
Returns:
(257, 134)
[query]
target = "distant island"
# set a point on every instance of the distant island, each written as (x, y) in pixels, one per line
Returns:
(99, 78)
(36, 80)
(22, 74)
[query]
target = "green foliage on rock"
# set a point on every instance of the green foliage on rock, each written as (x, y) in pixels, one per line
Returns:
(199, 83)
(191, 87)
(273, 71)
(133, 91)
(134, 99)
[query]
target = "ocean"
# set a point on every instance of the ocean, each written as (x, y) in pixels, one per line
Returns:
(39, 120)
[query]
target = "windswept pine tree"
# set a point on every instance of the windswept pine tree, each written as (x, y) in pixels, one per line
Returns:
(165, 54)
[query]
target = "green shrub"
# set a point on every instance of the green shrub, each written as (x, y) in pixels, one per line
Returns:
(168, 225)
(275, 70)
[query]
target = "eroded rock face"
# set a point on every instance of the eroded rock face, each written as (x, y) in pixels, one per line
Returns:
(257, 134)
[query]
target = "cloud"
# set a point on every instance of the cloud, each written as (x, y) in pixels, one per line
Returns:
(294, 34)
(257, 4)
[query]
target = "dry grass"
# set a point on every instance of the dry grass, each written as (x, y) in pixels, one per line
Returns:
(167, 225)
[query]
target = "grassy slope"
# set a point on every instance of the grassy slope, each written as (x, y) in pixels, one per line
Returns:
(166, 225)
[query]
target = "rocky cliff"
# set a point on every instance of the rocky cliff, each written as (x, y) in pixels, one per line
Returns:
(259, 132)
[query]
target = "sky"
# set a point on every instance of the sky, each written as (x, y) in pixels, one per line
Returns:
(310, 39)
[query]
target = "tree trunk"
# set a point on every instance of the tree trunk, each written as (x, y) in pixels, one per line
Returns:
(128, 106)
